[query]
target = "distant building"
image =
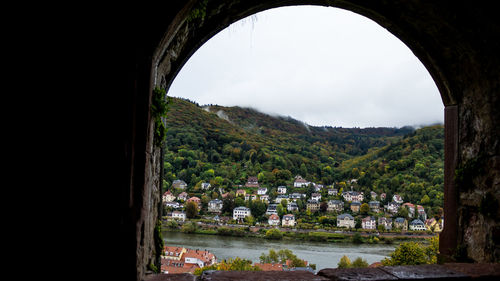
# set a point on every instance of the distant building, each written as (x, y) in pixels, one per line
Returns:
(421, 213)
(184, 260)
(262, 190)
(279, 198)
(269, 266)
(264, 198)
(272, 209)
(373, 195)
(401, 223)
(205, 185)
(411, 208)
(386, 222)
(252, 182)
(281, 189)
(178, 215)
(168, 196)
(392, 207)
(335, 206)
(369, 223)
(396, 198)
(292, 207)
(174, 205)
(313, 205)
(295, 196)
(353, 196)
(374, 206)
(179, 184)
(332, 191)
(355, 206)
(273, 220)
(240, 192)
(316, 196)
(241, 213)
(288, 220)
(183, 196)
(417, 225)
(300, 182)
(215, 206)
(345, 220)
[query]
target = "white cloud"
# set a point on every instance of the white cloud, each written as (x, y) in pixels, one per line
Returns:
(323, 66)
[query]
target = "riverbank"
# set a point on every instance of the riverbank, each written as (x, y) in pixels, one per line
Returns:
(324, 255)
(279, 233)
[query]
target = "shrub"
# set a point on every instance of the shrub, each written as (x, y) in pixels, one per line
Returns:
(274, 234)
(344, 262)
(357, 239)
(359, 262)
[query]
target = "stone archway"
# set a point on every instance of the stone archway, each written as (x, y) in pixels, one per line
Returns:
(457, 43)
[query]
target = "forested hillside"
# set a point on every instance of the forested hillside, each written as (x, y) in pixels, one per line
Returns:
(225, 145)
(411, 167)
(233, 143)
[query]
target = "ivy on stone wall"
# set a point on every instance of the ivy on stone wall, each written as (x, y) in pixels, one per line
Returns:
(159, 110)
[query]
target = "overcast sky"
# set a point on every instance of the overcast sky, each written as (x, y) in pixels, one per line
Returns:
(323, 66)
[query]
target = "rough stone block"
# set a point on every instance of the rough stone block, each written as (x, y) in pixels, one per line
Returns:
(260, 275)
(479, 271)
(425, 272)
(356, 274)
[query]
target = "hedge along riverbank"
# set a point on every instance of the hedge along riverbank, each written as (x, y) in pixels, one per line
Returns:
(277, 234)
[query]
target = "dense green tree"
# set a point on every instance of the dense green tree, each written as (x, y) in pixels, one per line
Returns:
(191, 210)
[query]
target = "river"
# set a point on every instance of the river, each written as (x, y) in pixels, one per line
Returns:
(324, 255)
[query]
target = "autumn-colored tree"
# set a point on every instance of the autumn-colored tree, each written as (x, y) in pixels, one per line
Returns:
(364, 209)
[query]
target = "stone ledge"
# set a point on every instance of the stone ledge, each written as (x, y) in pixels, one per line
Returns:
(261, 275)
(449, 271)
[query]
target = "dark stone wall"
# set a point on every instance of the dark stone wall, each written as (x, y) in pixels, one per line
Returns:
(146, 46)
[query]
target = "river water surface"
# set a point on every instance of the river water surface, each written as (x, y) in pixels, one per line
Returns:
(324, 255)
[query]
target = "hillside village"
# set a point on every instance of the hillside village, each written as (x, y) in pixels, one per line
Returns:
(302, 204)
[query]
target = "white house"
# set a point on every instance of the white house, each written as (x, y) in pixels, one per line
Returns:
(288, 220)
(274, 220)
(300, 182)
(417, 225)
(174, 205)
(279, 198)
(316, 196)
(353, 196)
(345, 220)
(396, 198)
(368, 223)
(168, 196)
(178, 215)
(332, 191)
(281, 189)
(392, 207)
(205, 185)
(241, 212)
(215, 206)
(262, 190)
(264, 198)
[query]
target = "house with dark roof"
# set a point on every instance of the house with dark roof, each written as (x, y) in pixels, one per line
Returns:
(345, 220)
